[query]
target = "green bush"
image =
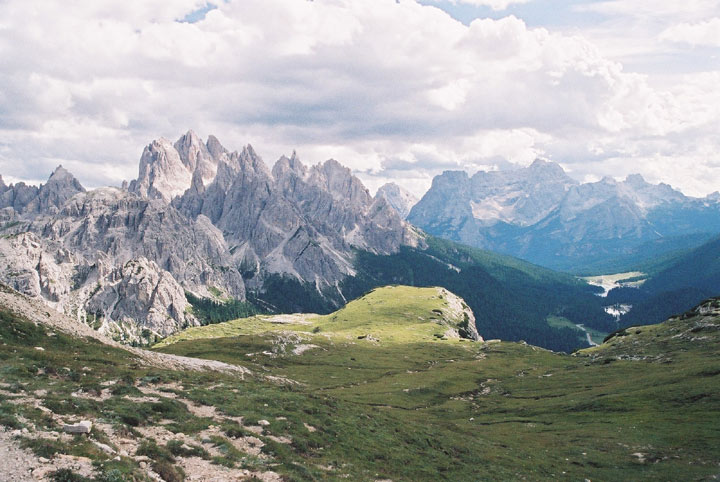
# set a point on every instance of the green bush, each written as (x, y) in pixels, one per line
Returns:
(168, 472)
(67, 475)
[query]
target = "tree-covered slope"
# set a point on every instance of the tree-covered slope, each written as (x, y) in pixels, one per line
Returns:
(687, 280)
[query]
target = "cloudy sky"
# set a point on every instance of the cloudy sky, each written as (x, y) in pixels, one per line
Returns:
(395, 89)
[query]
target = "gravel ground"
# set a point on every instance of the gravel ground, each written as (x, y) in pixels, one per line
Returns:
(19, 465)
(16, 464)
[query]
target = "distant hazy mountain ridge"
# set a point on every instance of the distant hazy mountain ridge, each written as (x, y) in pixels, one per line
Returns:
(540, 214)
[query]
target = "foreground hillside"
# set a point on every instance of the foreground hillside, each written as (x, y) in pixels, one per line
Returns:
(364, 404)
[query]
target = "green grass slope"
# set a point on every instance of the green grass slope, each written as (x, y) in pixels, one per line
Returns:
(511, 298)
(478, 411)
(392, 314)
(409, 408)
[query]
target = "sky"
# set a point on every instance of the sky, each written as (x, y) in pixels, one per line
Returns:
(397, 90)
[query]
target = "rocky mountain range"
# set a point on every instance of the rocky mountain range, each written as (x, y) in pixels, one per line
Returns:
(198, 218)
(540, 214)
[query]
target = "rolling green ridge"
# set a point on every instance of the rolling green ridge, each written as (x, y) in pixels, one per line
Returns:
(404, 405)
(393, 314)
(511, 298)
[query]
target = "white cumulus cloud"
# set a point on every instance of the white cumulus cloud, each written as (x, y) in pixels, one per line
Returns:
(494, 4)
(702, 33)
(395, 90)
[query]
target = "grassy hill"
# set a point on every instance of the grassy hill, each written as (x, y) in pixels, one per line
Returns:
(512, 299)
(404, 405)
(393, 314)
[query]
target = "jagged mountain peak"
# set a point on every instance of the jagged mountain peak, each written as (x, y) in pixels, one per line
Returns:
(190, 147)
(196, 156)
(635, 180)
(60, 173)
(249, 159)
(540, 162)
(167, 169)
(162, 173)
(249, 152)
(549, 170)
(64, 177)
(340, 182)
(215, 148)
(541, 214)
(450, 176)
(289, 165)
(161, 143)
(398, 198)
(46, 199)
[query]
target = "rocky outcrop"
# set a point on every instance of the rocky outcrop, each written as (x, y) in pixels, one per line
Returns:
(117, 225)
(140, 296)
(458, 317)
(119, 301)
(72, 258)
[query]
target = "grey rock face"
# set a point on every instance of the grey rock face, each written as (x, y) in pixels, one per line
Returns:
(295, 220)
(73, 256)
(123, 226)
(56, 192)
(120, 301)
(17, 196)
(140, 295)
(398, 198)
(197, 157)
(166, 169)
(522, 197)
(540, 214)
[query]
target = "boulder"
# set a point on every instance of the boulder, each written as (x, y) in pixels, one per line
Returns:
(83, 427)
